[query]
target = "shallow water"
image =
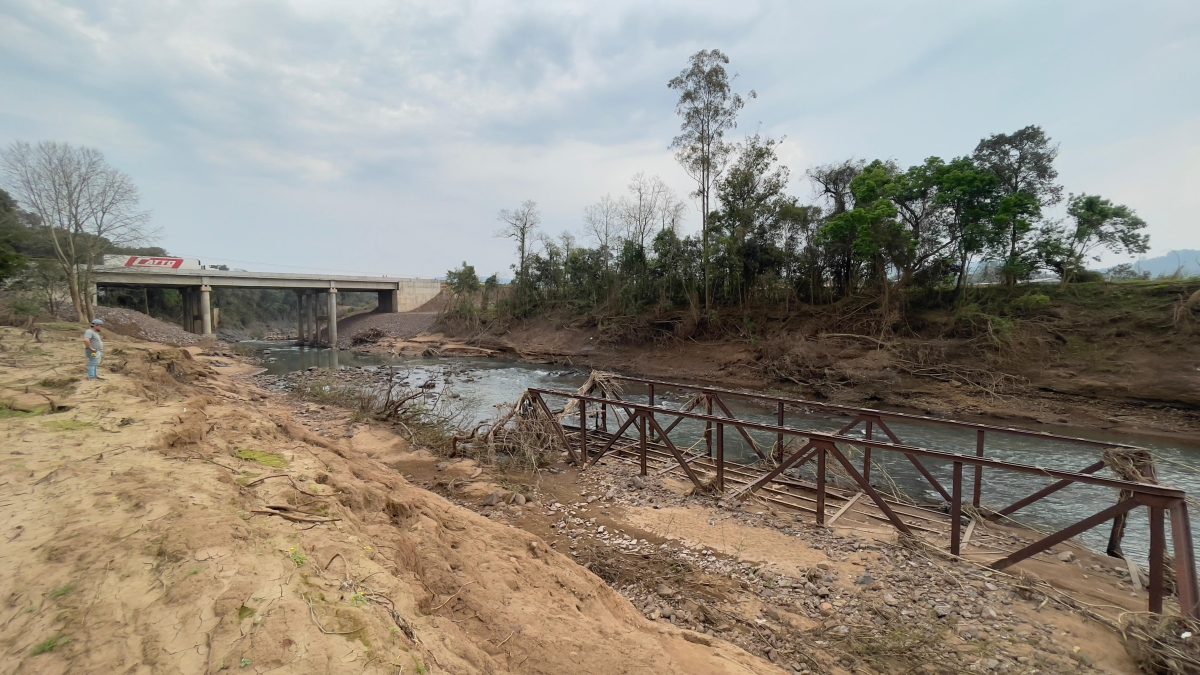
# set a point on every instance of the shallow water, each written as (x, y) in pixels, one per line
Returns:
(486, 383)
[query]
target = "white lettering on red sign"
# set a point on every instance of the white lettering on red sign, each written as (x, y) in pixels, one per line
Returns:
(162, 263)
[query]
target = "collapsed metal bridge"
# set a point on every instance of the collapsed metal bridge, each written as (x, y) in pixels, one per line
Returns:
(840, 485)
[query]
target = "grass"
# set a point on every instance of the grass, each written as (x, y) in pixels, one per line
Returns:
(7, 413)
(262, 457)
(68, 425)
(245, 612)
(297, 556)
(62, 591)
(61, 325)
(50, 645)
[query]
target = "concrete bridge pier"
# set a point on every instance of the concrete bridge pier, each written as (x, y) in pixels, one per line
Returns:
(206, 325)
(331, 329)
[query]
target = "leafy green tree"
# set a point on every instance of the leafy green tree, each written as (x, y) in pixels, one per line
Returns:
(1096, 224)
(1023, 164)
(970, 195)
(709, 108)
(751, 195)
(13, 234)
(837, 243)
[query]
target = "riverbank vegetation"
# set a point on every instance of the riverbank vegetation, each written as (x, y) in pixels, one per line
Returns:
(880, 241)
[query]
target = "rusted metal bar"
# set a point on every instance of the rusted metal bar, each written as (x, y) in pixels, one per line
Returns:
(1046, 491)
(690, 407)
(821, 448)
(650, 398)
(1185, 560)
(977, 494)
(745, 435)
(800, 456)
(1140, 488)
(1158, 545)
(721, 456)
(583, 452)
(867, 452)
(537, 396)
(871, 492)
(851, 410)
(779, 437)
(666, 440)
(608, 446)
(708, 424)
(1064, 534)
(642, 441)
(956, 511)
(929, 478)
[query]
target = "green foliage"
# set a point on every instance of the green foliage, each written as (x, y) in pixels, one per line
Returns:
(1031, 304)
(50, 645)
(297, 556)
(262, 457)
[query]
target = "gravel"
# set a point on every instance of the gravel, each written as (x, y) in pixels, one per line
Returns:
(138, 325)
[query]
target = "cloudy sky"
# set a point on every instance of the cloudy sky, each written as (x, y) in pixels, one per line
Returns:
(384, 137)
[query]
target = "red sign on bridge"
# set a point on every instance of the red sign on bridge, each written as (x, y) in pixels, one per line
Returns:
(158, 263)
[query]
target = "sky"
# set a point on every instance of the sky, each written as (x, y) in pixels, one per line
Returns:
(373, 137)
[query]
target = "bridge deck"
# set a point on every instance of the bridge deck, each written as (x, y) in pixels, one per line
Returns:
(109, 276)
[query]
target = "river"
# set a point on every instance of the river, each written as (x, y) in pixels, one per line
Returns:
(486, 383)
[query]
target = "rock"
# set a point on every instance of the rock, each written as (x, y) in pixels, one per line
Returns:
(826, 608)
(518, 499)
(493, 499)
(890, 600)
(1067, 556)
(943, 611)
(664, 591)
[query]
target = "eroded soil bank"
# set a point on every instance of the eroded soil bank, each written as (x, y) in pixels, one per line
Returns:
(1114, 357)
(174, 517)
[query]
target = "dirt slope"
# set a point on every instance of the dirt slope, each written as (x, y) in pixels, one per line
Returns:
(137, 540)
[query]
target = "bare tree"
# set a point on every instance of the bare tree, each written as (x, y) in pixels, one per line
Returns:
(86, 205)
(520, 224)
(602, 221)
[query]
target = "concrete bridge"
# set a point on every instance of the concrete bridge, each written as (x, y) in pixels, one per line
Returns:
(316, 294)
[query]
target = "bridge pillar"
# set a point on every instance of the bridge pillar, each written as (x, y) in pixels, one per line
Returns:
(206, 310)
(189, 308)
(313, 320)
(332, 331)
(300, 316)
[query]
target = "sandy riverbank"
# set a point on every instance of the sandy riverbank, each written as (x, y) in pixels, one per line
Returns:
(175, 518)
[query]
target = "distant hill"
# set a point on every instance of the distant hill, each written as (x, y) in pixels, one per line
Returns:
(1186, 261)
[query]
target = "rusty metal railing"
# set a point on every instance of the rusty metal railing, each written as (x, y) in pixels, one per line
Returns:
(796, 446)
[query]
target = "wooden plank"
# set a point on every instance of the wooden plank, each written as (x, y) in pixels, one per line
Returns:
(845, 507)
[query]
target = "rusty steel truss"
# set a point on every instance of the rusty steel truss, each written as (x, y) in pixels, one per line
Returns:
(643, 432)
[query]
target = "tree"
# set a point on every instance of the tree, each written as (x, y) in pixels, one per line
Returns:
(971, 195)
(1023, 164)
(709, 108)
(86, 206)
(1098, 224)
(13, 234)
(520, 226)
(648, 204)
(833, 183)
(751, 195)
(602, 221)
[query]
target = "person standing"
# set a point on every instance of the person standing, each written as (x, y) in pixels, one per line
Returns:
(93, 348)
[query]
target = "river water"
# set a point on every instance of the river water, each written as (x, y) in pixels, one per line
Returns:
(485, 383)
